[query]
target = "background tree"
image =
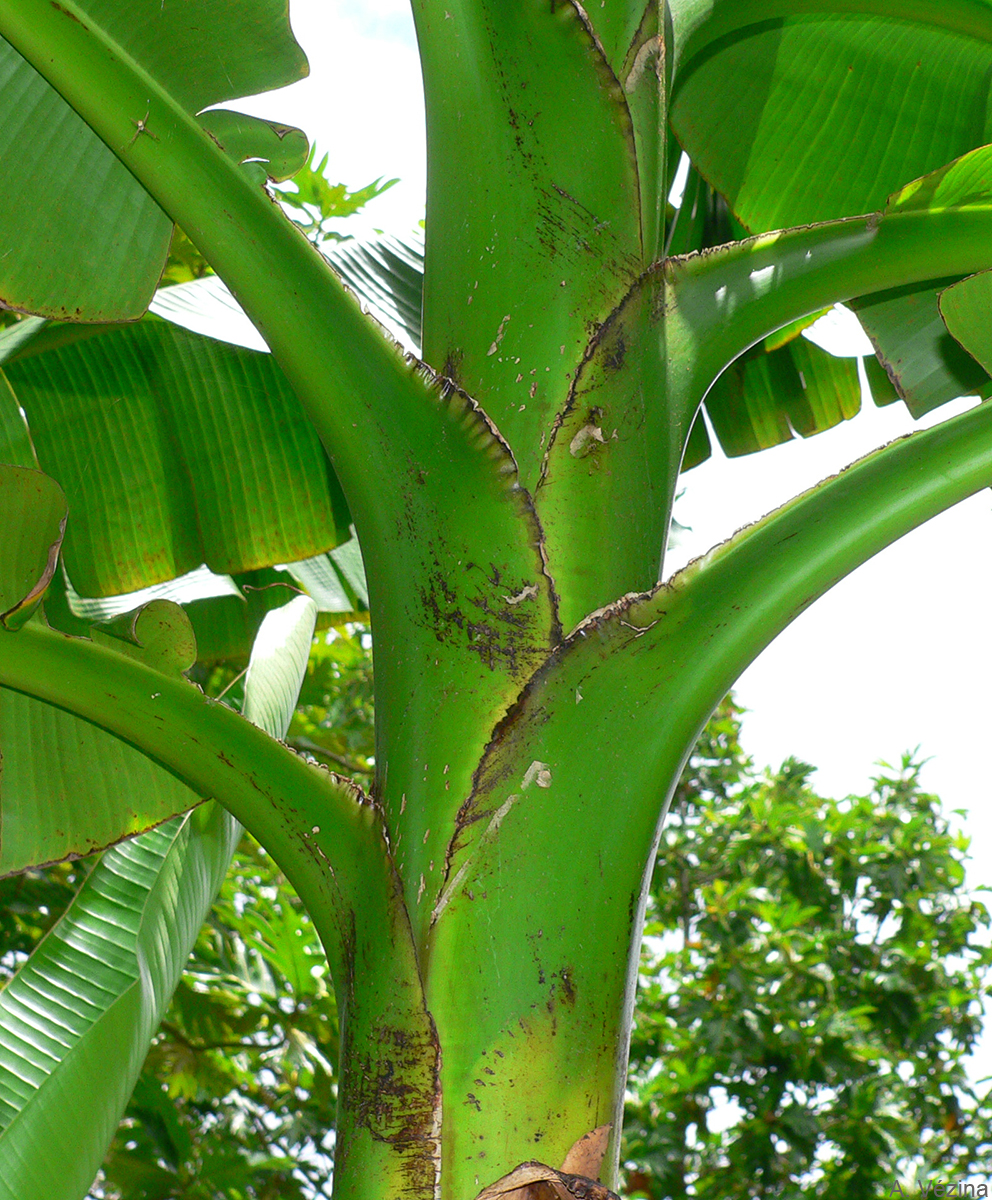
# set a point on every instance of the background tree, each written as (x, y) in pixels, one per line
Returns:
(818, 966)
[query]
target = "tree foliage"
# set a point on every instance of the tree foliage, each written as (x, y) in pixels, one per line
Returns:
(812, 985)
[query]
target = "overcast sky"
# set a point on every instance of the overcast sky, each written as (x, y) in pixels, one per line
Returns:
(896, 657)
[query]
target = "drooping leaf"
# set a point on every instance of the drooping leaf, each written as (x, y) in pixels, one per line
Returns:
(85, 241)
(78, 1016)
(174, 450)
(799, 117)
(278, 664)
(768, 394)
(77, 1019)
(966, 309)
(925, 365)
(743, 405)
(830, 388)
(34, 516)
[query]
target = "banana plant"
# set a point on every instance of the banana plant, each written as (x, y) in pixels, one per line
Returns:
(537, 688)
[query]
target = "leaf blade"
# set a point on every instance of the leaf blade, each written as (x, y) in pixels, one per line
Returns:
(174, 450)
(35, 512)
(96, 249)
(782, 109)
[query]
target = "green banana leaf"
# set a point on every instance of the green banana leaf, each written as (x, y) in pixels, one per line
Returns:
(83, 240)
(91, 792)
(791, 62)
(387, 274)
(77, 1019)
(965, 308)
(95, 789)
(924, 363)
(34, 508)
(767, 394)
(800, 112)
(173, 450)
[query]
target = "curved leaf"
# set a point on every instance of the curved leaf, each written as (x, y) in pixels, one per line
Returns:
(84, 239)
(158, 634)
(277, 151)
(34, 511)
(76, 1020)
(965, 308)
(798, 116)
(173, 450)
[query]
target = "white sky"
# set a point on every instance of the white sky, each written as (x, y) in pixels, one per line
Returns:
(895, 657)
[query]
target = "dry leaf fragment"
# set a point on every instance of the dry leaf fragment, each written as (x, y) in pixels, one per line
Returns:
(538, 1181)
(586, 1156)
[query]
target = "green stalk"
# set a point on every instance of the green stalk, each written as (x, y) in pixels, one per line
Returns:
(722, 301)
(533, 206)
(550, 904)
(215, 752)
(606, 506)
(332, 848)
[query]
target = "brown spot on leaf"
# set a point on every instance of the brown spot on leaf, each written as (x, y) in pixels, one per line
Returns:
(65, 12)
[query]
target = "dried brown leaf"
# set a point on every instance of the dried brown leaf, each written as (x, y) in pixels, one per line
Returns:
(538, 1181)
(586, 1156)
